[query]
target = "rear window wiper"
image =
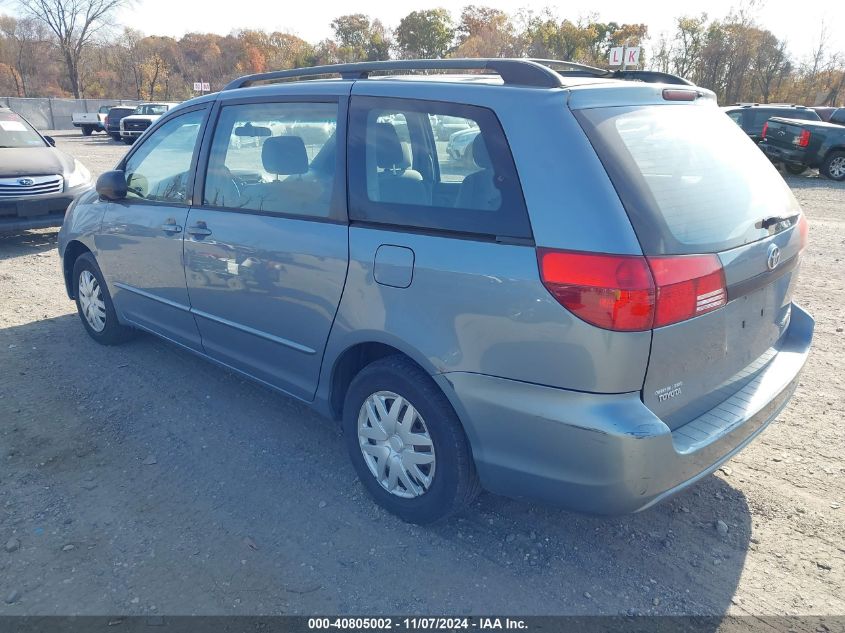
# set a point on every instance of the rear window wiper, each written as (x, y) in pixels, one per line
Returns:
(773, 220)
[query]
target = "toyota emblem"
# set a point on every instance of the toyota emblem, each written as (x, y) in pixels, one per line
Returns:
(26, 182)
(774, 257)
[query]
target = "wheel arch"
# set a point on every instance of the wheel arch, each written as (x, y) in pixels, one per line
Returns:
(354, 357)
(73, 251)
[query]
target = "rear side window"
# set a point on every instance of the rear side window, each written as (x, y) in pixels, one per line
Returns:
(433, 165)
(274, 157)
(688, 177)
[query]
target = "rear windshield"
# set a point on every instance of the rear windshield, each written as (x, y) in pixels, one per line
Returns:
(151, 109)
(690, 179)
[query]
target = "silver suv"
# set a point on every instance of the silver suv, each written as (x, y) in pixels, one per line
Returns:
(595, 310)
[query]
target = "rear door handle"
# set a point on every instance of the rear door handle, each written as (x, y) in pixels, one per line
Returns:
(198, 230)
(171, 228)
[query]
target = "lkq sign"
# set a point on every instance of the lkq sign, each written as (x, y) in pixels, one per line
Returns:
(624, 56)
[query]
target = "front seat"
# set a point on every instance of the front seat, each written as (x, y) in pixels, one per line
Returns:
(286, 156)
(478, 190)
(397, 182)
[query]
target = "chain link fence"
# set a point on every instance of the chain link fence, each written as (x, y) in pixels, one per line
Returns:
(47, 113)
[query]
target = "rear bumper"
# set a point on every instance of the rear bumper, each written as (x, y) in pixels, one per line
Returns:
(608, 453)
(20, 214)
(784, 155)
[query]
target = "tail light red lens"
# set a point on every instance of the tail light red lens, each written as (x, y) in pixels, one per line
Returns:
(803, 230)
(804, 138)
(687, 286)
(615, 292)
(633, 293)
(765, 129)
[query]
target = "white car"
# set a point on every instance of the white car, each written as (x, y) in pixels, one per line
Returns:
(132, 126)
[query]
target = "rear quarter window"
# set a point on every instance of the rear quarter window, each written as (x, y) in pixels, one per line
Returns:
(689, 178)
(433, 165)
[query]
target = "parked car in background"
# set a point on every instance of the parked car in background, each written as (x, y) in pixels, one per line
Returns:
(37, 181)
(90, 122)
(113, 119)
(803, 144)
(837, 116)
(598, 313)
(133, 125)
(824, 112)
(752, 116)
(460, 144)
(444, 126)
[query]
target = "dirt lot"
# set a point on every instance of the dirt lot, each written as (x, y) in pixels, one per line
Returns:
(143, 480)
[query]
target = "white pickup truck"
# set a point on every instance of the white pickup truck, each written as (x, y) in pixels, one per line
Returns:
(91, 121)
(132, 126)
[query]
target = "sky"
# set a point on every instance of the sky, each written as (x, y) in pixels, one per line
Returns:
(311, 20)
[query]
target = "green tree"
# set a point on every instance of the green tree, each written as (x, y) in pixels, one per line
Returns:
(425, 34)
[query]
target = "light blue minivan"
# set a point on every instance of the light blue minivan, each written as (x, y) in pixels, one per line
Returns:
(591, 305)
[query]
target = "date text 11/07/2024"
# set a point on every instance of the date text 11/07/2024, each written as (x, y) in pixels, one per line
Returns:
(417, 623)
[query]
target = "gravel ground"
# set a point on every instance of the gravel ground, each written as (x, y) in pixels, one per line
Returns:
(143, 480)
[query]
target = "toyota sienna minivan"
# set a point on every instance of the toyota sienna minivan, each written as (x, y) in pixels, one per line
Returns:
(594, 311)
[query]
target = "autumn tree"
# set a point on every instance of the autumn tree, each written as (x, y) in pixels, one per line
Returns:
(485, 32)
(425, 34)
(73, 23)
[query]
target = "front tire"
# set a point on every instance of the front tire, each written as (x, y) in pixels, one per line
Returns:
(128, 140)
(833, 166)
(94, 304)
(406, 442)
(87, 130)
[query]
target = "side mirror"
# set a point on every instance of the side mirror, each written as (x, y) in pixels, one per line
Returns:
(111, 185)
(50, 140)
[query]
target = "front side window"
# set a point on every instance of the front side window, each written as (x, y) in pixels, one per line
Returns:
(159, 170)
(274, 157)
(433, 165)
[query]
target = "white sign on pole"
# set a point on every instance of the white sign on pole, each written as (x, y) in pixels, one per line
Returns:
(616, 54)
(632, 56)
(206, 87)
(197, 86)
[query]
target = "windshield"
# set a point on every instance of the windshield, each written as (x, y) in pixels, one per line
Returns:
(690, 179)
(151, 109)
(15, 132)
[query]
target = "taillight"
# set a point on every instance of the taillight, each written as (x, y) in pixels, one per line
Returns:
(674, 94)
(687, 286)
(765, 129)
(803, 231)
(804, 138)
(615, 292)
(633, 293)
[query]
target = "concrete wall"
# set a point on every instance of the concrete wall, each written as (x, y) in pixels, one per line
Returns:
(55, 114)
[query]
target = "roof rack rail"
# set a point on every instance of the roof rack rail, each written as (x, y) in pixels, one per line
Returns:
(522, 72)
(537, 73)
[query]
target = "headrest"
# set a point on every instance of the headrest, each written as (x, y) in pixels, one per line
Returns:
(388, 147)
(480, 155)
(284, 155)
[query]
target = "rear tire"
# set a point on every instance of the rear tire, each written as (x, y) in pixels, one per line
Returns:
(795, 170)
(87, 130)
(94, 304)
(430, 469)
(833, 166)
